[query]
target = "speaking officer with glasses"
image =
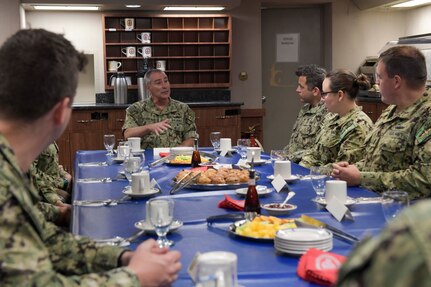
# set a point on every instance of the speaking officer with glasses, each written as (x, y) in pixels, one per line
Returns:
(345, 126)
(398, 150)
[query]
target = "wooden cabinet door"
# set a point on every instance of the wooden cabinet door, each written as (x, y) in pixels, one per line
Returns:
(115, 124)
(370, 109)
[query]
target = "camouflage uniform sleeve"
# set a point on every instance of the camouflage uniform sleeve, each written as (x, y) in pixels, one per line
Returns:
(50, 212)
(352, 146)
(34, 252)
(130, 121)
(189, 124)
(398, 257)
(416, 179)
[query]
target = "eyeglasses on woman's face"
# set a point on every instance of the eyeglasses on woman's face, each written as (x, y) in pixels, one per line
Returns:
(324, 94)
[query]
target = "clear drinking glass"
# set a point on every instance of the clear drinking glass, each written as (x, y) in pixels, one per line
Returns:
(278, 155)
(318, 180)
(215, 139)
(109, 142)
(393, 202)
(123, 150)
(241, 145)
(131, 165)
(216, 268)
(161, 215)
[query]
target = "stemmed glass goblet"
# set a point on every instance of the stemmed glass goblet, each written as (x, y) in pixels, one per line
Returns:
(215, 140)
(131, 165)
(161, 213)
(393, 202)
(242, 145)
(109, 143)
(318, 180)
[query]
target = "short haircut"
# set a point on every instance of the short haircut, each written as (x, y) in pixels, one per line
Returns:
(38, 68)
(314, 75)
(407, 62)
(147, 77)
(348, 82)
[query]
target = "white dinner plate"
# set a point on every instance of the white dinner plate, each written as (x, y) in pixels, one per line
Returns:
(138, 151)
(303, 234)
(148, 227)
(261, 190)
(290, 179)
(118, 159)
(230, 150)
(128, 191)
(322, 201)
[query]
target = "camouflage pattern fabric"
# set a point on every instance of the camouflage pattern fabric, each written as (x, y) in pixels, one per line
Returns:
(34, 252)
(48, 167)
(49, 211)
(400, 256)
(398, 151)
(340, 139)
(305, 130)
(182, 121)
(47, 191)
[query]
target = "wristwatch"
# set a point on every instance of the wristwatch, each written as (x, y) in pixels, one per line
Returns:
(65, 184)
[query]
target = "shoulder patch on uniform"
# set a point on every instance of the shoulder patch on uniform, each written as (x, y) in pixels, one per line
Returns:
(424, 133)
(347, 130)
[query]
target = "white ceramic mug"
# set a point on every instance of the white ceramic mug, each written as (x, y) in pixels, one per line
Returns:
(217, 268)
(113, 66)
(128, 23)
(144, 37)
(225, 144)
(256, 151)
(134, 143)
(129, 51)
(161, 65)
(141, 182)
(283, 168)
(145, 51)
(337, 189)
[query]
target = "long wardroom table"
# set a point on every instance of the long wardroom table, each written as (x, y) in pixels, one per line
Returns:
(259, 264)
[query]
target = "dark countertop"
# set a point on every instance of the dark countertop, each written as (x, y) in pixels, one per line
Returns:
(369, 99)
(108, 106)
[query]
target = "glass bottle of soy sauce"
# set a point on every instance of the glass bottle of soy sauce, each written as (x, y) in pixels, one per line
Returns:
(196, 156)
(252, 204)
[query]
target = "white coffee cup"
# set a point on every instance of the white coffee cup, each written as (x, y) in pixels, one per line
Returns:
(145, 51)
(217, 267)
(256, 151)
(113, 66)
(161, 65)
(225, 144)
(144, 37)
(129, 51)
(128, 23)
(283, 168)
(141, 182)
(337, 189)
(134, 143)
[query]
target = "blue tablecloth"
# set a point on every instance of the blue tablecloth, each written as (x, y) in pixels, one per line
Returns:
(259, 264)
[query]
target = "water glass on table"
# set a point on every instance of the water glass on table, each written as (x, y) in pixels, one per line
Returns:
(161, 214)
(241, 145)
(393, 202)
(216, 268)
(131, 165)
(109, 143)
(318, 178)
(215, 139)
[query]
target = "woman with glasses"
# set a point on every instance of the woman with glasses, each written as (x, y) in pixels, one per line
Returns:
(345, 126)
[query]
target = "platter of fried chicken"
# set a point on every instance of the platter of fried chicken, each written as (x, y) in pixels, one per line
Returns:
(211, 179)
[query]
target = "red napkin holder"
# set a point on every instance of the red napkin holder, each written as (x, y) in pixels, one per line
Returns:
(230, 203)
(320, 267)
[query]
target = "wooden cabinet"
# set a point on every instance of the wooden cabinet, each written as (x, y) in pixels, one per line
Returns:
(226, 120)
(372, 109)
(196, 48)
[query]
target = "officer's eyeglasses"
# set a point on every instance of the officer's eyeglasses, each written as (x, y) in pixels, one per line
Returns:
(324, 94)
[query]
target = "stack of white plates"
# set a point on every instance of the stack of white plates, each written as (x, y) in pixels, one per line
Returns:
(297, 241)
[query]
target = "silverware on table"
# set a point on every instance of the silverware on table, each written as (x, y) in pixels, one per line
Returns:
(184, 182)
(161, 160)
(95, 163)
(365, 200)
(118, 240)
(98, 180)
(105, 202)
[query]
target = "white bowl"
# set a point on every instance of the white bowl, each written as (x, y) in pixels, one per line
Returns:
(274, 208)
(181, 150)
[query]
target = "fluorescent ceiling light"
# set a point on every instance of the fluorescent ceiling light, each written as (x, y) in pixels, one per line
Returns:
(412, 3)
(193, 8)
(133, 6)
(66, 7)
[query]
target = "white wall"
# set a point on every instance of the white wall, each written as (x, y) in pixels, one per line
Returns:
(357, 34)
(418, 21)
(84, 30)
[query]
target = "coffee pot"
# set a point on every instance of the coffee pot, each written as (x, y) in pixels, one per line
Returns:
(143, 93)
(119, 82)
